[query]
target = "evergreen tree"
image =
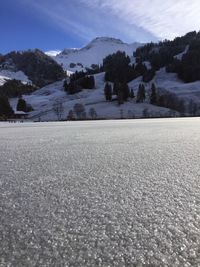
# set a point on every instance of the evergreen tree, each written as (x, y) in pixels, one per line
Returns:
(92, 113)
(148, 75)
(153, 96)
(65, 85)
(141, 68)
(120, 96)
(71, 116)
(117, 68)
(132, 95)
(125, 90)
(73, 88)
(115, 88)
(108, 92)
(21, 105)
(141, 94)
(107, 77)
(87, 82)
(181, 107)
(5, 108)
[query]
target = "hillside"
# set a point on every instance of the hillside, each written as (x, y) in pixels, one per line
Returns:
(44, 99)
(30, 66)
(6, 75)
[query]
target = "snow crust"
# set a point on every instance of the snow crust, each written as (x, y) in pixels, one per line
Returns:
(105, 193)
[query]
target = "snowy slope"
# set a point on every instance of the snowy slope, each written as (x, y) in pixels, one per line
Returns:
(53, 53)
(42, 101)
(169, 82)
(11, 75)
(93, 53)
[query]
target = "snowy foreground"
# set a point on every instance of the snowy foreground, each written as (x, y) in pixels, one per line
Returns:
(105, 193)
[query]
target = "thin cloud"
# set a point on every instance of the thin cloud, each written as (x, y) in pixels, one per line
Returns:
(164, 19)
(130, 20)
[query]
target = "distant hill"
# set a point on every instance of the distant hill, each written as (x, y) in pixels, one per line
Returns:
(32, 65)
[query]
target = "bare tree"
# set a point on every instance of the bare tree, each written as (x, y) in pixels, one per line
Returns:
(71, 115)
(192, 108)
(79, 110)
(92, 113)
(145, 113)
(58, 109)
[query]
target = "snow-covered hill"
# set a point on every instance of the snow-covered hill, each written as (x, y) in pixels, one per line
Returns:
(43, 100)
(11, 75)
(93, 53)
(30, 65)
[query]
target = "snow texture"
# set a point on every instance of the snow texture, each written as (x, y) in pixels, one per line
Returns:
(106, 193)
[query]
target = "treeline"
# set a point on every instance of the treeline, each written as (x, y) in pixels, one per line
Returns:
(118, 68)
(78, 82)
(188, 68)
(122, 92)
(78, 112)
(6, 110)
(163, 54)
(15, 88)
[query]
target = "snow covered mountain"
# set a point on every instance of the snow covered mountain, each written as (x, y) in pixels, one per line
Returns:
(93, 53)
(169, 65)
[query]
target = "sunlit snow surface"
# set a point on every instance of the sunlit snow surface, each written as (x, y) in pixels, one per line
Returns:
(113, 193)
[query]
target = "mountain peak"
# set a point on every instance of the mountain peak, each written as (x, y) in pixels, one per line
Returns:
(103, 40)
(107, 39)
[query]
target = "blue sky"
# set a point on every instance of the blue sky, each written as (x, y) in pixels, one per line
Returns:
(56, 24)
